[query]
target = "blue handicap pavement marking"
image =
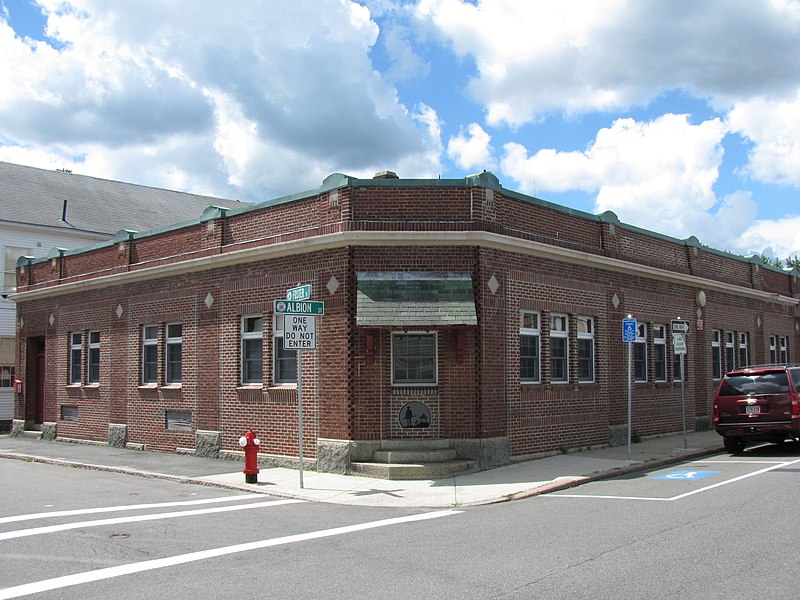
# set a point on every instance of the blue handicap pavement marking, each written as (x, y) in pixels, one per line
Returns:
(686, 475)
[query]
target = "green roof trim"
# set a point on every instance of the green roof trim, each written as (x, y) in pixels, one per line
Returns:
(401, 299)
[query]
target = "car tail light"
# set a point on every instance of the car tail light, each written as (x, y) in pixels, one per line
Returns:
(795, 405)
(716, 411)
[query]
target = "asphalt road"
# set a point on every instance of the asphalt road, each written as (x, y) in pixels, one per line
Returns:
(718, 528)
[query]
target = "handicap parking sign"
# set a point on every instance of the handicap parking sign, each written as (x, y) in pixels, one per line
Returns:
(686, 475)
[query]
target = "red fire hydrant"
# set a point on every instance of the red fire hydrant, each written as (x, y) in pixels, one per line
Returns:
(250, 443)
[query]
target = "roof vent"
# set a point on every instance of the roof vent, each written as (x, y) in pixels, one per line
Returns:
(385, 175)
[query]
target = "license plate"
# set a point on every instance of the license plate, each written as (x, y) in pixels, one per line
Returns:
(752, 409)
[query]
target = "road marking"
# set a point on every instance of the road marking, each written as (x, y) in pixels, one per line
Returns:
(181, 559)
(680, 496)
(106, 509)
(11, 535)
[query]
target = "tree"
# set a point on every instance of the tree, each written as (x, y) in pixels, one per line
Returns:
(793, 262)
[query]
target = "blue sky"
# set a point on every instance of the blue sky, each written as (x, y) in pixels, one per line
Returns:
(682, 117)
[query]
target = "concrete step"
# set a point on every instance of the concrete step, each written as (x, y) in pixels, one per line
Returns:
(415, 456)
(31, 434)
(436, 470)
(415, 445)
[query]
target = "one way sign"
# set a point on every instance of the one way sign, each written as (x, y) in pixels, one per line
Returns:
(299, 332)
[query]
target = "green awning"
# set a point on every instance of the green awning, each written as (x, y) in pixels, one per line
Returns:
(398, 299)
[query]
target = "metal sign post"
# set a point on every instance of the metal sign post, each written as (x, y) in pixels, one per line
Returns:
(629, 336)
(680, 330)
(299, 331)
(300, 411)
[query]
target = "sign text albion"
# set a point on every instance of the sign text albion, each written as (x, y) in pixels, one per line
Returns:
(299, 308)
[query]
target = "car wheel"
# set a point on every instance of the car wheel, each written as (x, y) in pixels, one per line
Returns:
(734, 445)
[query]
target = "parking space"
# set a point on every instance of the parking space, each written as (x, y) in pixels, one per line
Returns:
(688, 479)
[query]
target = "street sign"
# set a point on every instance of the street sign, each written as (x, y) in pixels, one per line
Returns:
(628, 330)
(679, 343)
(302, 292)
(289, 307)
(680, 326)
(299, 332)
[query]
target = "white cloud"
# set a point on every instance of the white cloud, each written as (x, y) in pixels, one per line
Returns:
(774, 128)
(657, 175)
(155, 91)
(583, 55)
(473, 149)
(778, 237)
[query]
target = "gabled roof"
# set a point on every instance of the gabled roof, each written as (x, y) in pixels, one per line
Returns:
(36, 197)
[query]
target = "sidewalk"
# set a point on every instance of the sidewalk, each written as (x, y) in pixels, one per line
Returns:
(497, 485)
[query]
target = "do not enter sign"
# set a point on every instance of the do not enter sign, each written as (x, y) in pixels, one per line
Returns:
(299, 332)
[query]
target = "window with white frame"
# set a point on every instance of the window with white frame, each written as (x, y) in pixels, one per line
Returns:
(773, 349)
(730, 351)
(93, 358)
(414, 359)
(716, 354)
(11, 255)
(251, 349)
(174, 353)
(149, 354)
(6, 376)
(659, 352)
(530, 344)
(284, 368)
(75, 356)
(559, 348)
(640, 353)
(783, 352)
(744, 350)
(585, 327)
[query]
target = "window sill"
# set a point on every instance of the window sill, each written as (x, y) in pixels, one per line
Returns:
(283, 386)
(74, 386)
(147, 386)
(250, 386)
(92, 385)
(171, 386)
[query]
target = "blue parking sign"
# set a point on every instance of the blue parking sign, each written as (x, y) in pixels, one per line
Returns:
(628, 330)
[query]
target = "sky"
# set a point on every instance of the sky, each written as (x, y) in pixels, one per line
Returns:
(681, 117)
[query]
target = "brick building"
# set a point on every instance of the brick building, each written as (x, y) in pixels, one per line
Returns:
(459, 316)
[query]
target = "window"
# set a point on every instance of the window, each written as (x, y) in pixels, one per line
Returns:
(559, 352)
(730, 352)
(783, 354)
(660, 352)
(529, 348)
(285, 366)
(744, 354)
(75, 348)
(773, 349)
(716, 354)
(6, 376)
(174, 352)
(414, 359)
(252, 363)
(12, 254)
(69, 413)
(178, 420)
(585, 349)
(640, 353)
(93, 358)
(149, 354)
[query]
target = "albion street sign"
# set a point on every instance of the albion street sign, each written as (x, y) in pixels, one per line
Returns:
(289, 307)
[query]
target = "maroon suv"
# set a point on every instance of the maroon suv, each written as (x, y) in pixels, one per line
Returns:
(758, 404)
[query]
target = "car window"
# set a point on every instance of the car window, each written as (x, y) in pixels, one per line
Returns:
(776, 382)
(795, 379)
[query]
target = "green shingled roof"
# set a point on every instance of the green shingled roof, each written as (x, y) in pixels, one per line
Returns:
(392, 299)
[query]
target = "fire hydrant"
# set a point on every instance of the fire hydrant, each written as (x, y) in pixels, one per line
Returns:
(250, 443)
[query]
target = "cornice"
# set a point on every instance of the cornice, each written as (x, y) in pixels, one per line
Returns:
(401, 238)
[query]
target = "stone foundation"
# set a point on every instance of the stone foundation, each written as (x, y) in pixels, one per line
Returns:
(207, 444)
(117, 435)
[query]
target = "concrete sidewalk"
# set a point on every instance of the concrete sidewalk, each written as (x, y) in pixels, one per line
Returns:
(515, 481)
